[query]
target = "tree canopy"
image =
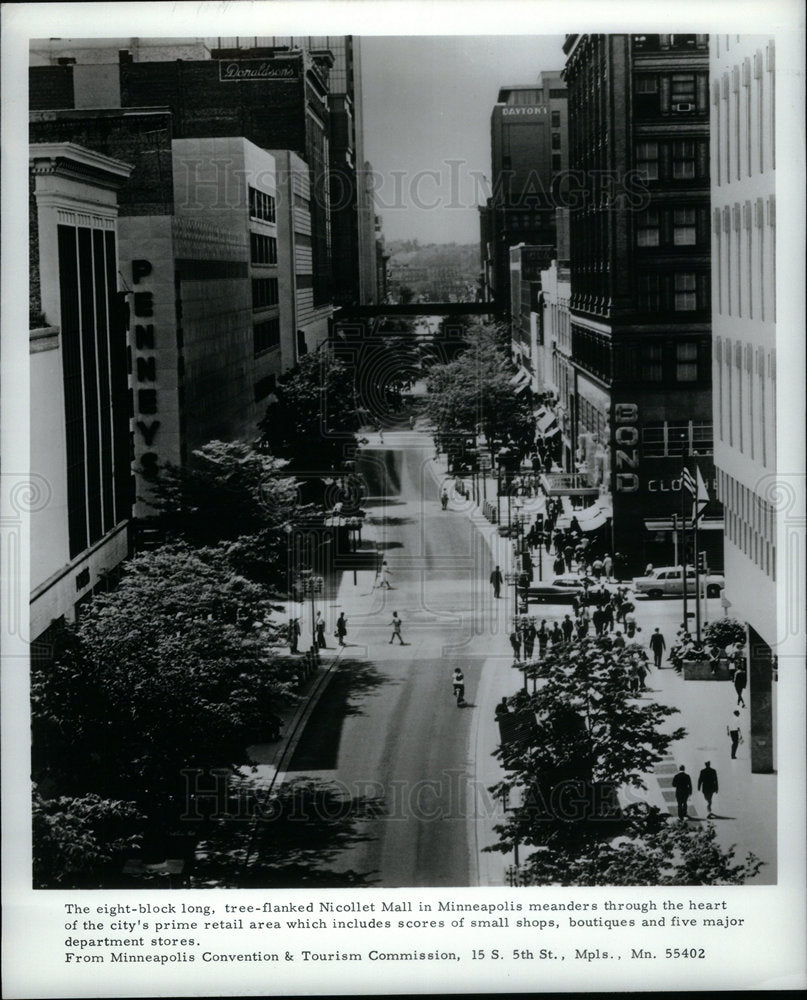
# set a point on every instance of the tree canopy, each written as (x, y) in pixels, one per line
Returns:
(312, 416)
(476, 390)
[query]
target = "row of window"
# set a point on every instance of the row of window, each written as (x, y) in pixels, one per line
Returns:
(262, 206)
(750, 522)
(745, 378)
(263, 249)
(680, 291)
(668, 439)
(266, 335)
(673, 93)
(745, 259)
(670, 362)
(679, 227)
(679, 160)
(264, 292)
(745, 109)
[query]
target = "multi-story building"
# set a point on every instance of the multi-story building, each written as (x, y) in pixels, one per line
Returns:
(743, 161)
(526, 264)
(553, 344)
(528, 150)
(79, 386)
(640, 277)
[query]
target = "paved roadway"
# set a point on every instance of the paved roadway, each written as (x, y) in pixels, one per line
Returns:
(387, 728)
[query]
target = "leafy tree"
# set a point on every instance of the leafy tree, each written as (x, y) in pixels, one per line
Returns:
(723, 631)
(75, 839)
(476, 389)
(313, 416)
(654, 850)
(236, 497)
(587, 735)
(172, 670)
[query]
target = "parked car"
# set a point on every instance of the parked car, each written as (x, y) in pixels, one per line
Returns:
(561, 589)
(667, 581)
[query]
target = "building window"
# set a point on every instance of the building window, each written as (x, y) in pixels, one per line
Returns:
(266, 335)
(682, 90)
(646, 95)
(685, 292)
(556, 140)
(686, 362)
(684, 232)
(649, 293)
(683, 160)
(647, 229)
(263, 249)
(264, 292)
(556, 162)
(556, 119)
(261, 206)
(647, 160)
(652, 369)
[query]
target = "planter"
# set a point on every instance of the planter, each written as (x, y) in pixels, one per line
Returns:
(701, 670)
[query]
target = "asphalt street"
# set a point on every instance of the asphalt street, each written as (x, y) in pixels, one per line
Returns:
(387, 728)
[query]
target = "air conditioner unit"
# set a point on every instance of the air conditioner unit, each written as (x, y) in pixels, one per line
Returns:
(683, 107)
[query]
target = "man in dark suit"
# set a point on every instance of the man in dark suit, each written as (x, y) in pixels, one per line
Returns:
(682, 784)
(707, 783)
(496, 581)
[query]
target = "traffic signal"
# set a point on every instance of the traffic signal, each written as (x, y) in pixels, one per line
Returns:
(702, 562)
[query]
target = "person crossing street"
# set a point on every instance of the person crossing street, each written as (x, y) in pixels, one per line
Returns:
(396, 629)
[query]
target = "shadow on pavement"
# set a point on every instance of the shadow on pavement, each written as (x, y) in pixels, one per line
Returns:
(391, 522)
(288, 838)
(320, 749)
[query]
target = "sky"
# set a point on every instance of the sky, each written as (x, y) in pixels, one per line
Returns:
(427, 106)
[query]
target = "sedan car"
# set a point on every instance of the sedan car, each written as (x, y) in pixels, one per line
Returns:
(560, 590)
(667, 581)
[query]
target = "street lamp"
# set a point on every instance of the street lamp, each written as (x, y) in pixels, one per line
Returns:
(309, 586)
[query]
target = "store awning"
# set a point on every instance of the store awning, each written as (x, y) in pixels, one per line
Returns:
(546, 421)
(552, 431)
(521, 380)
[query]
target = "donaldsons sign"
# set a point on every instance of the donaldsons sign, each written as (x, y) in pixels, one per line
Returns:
(257, 69)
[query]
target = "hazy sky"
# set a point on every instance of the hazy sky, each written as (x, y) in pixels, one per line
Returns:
(427, 104)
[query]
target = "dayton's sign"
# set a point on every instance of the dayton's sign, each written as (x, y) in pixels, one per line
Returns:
(257, 69)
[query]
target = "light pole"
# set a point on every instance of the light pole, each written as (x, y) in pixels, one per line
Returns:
(309, 586)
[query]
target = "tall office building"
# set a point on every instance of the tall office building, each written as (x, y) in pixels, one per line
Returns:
(528, 149)
(79, 385)
(640, 281)
(743, 158)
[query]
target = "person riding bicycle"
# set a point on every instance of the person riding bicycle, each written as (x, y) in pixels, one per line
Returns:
(458, 682)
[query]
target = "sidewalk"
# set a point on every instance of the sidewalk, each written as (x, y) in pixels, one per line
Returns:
(745, 807)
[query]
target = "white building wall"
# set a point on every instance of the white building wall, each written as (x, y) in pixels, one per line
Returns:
(743, 193)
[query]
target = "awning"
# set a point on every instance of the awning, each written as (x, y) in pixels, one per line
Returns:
(551, 433)
(546, 420)
(521, 380)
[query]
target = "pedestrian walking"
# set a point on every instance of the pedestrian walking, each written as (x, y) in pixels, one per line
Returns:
(444, 498)
(657, 645)
(619, 640)
(319, 627)
(568, 555)
(555, 636)
(294, 634)
(567, 628)
(740, 680)
(341, 628)
(396, 629)
(384, 574)
(515, 642)
(608, 566)
(733, 730)
(496, 580)
(543, 638)
(682, 784)
(707, 783)
(559, 566)
(529, 635)
(502, 708)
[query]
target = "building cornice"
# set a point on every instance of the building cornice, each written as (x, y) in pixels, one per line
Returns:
(66, 159)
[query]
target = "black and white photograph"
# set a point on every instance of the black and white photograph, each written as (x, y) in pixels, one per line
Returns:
(473, 345)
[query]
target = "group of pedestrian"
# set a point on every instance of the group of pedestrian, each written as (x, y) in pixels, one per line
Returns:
(707, 783)
(293, 631)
